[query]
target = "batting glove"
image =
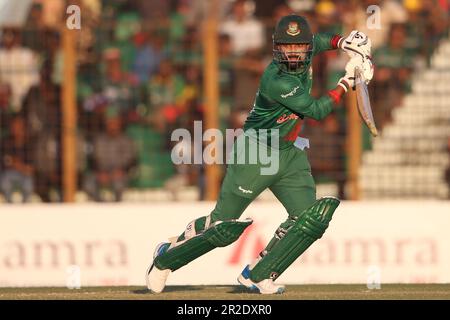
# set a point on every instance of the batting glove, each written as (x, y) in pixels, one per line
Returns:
(356, 43)
(348, 80)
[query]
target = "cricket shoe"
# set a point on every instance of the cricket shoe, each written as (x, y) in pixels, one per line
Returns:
(156, 278)
(266, 286)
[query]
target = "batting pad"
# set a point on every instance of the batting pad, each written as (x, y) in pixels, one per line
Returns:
(219, 234)
(309, 227)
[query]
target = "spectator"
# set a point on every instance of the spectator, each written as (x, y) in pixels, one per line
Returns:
(178, 23)
(34, 30)
(248, 68)
(200, 9)
(165, 91)
(435, 20)
(266, 9)
(51, 58)
(114, 155)
(226, 78)
(246, 36)
(147, 57)
(17, 170)
(5, 98)
(246, 33)
(89, 37)
(119, 87)
(280, 11)
(392, 74)
(42, 106)
(53, 12)
(5, 108)
(47, 161)
(18, 66)
(190, 99)
(149, 10)
(190, 110)
(116, 94)
(415, 29)
(188, 50)
(127, 25)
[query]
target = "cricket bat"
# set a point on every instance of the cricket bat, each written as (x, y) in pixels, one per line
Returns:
(363, 102)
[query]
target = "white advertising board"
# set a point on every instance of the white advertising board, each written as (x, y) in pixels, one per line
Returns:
(112, 244)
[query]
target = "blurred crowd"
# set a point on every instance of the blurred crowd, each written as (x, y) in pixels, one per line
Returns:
(140, 76)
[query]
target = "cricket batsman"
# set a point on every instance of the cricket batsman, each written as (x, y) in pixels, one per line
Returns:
(282, 102)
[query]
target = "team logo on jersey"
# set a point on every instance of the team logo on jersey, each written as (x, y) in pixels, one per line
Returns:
(293, 29)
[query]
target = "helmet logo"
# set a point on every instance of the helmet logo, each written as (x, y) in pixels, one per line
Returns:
(293, 29)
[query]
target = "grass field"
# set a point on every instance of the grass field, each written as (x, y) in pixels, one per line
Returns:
(294, 292)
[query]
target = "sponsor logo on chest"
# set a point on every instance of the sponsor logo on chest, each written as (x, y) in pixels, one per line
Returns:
(285, 118)
(291, 93)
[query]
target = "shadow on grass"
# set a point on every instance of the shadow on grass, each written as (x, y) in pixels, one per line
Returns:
(241, 290)
(168, 289)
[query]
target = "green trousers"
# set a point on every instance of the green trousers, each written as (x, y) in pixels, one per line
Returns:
(293, 185)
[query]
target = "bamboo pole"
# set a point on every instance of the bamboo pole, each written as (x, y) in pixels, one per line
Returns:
(69, 116)
(211, 87)
(354, 146)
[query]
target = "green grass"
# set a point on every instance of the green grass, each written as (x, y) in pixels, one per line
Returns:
(294, 292)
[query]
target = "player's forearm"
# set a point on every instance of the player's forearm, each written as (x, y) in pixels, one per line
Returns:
(323, 106)
(310, 107)
(337, 94)
(316, 109)
(327, 41)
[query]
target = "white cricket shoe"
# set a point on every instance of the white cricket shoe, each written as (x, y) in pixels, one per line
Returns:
(156, 278)
(266, 286)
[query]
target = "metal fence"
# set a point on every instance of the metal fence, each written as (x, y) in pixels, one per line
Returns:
(139, 77)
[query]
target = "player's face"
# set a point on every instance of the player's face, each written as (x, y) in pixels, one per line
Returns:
(295, 52)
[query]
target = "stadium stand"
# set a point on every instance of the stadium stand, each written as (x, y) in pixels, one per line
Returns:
(410, 159)
(142, 61)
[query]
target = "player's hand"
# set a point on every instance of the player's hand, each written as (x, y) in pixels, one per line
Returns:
(365, 66)
(348, 80)
(357, 43)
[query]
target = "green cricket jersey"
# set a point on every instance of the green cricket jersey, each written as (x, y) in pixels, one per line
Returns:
(283, 99)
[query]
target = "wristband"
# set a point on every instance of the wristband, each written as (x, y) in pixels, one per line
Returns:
(335, 96)
(336, 41)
